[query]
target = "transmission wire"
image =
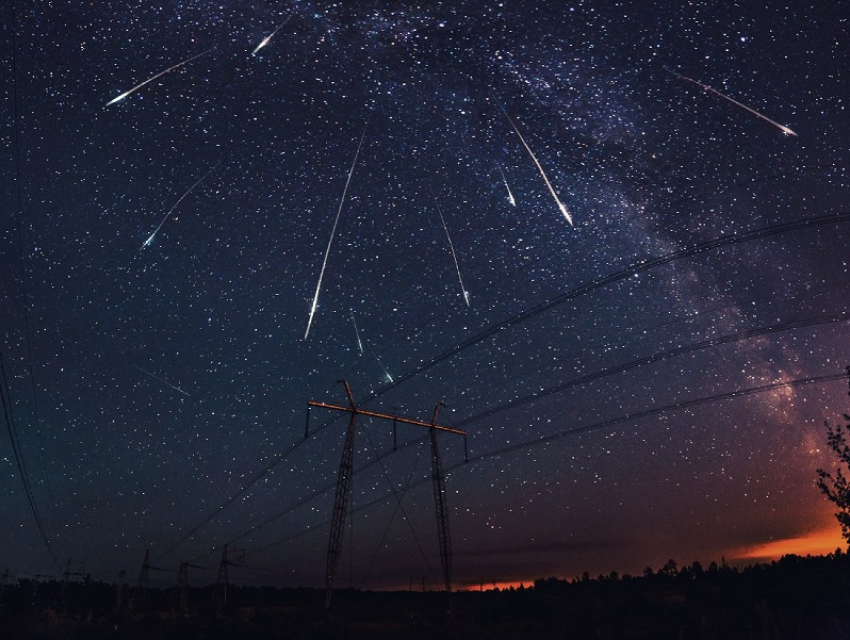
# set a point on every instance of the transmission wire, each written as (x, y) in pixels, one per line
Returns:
(635, 268)
(664, 355)
(8, 410)
(398, 505)
(543, 439)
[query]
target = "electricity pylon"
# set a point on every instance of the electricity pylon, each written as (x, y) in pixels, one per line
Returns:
(344, 477)
(180, 595)
(220, 589)
(144, 575)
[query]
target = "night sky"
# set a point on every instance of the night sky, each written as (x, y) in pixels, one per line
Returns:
(160, 256)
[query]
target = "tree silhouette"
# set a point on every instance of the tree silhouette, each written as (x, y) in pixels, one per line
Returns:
(836, 486)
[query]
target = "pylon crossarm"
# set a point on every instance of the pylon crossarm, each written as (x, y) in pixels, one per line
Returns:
(385, 416)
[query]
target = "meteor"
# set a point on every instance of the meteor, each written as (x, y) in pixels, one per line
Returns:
(381, 364)
(454, 255)
(176, 204)
(705, 87)
(561, 206)
(510, 195)
(357, 332)
(269, 37)
(165, 382)
(152, 78)
(333, 232)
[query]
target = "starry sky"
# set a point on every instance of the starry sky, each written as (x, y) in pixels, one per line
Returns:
(649, 382)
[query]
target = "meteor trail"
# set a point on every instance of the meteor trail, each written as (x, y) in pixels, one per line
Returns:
(269, 37)
(333, 232)
(152, 78)
(705, 87)
(165, 382)
(357, 332)
(454, 255)
(381, 364)
(505, 180)
(176, 204)
(539, 168)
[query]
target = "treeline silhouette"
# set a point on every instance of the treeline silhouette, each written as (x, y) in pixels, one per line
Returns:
(795, 597)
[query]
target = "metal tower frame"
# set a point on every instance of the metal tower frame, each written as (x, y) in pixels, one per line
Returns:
(219, 595)
(443, 533)
(346, 472)
(179, 596)
(144, 575)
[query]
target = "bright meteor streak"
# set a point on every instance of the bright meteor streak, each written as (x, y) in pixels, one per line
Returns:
(381, 364)
(561, 206)
(152, 78)
(176, 204)
(705, 87)
(269, 37)
(333, 232)
(454, 255)
(510, 195)
(357, 333)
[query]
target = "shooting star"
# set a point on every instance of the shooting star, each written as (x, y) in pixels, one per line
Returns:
(454, 255)
(705, 87)
(152, 78)
(165, 382)
(176, 204)
(381, 364)
(511, 198)
(269, 37)
(333, 232)
(357, 332)
(561, 206)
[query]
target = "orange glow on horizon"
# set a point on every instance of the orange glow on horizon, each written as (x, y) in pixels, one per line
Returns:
(819, 542)
(490, 586)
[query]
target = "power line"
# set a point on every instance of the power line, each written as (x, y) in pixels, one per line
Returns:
(640, 415)
(241, 491)
(8, 410)
(703, 315)
(631, 417)
(593, 285)
(8, 414)
(658, 357)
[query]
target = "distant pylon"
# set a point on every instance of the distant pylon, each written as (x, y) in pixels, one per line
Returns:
(180, 595)
(223, 579)
(145, 575)
(220, 590)
(144, 583)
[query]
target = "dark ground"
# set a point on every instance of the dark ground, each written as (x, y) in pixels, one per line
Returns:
(792, 598)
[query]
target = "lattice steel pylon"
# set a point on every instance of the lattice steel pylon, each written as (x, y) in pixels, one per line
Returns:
(180, 595)
(443, 533)
(346, 472)
(145, 575)
(219, 595)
